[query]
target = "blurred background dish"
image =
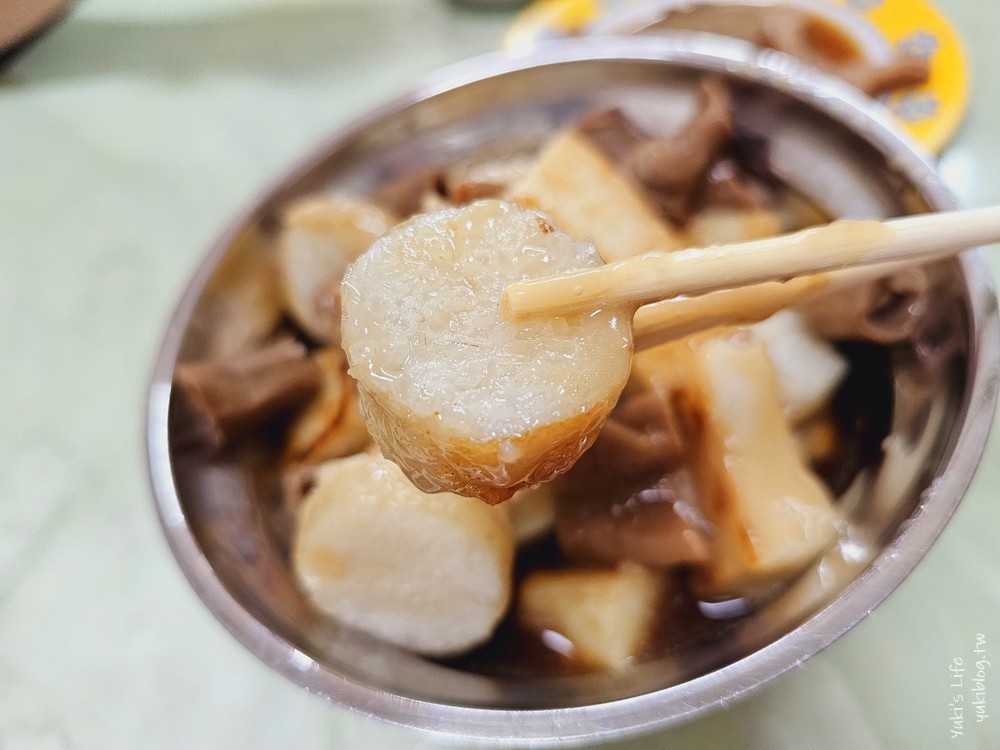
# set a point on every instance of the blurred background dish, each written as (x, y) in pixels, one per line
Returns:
(889, 34)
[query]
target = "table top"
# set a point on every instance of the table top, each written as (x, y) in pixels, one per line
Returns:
(128, 137)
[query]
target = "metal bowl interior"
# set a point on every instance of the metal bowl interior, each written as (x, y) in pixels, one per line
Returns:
(830, 144)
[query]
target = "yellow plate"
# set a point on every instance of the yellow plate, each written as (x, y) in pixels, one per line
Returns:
(931, 112)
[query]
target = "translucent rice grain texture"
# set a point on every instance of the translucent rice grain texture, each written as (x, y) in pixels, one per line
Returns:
(461, 398)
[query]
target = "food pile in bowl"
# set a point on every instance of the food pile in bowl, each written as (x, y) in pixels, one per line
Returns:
(531, 498)
(818, 39)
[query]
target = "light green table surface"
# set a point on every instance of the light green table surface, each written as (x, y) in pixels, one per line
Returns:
(127, 139)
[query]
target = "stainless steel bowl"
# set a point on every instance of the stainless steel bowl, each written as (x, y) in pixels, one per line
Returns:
(833, 144)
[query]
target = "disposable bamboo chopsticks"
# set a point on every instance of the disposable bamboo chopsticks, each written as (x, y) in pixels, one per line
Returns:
(671, 319)
(666, 275)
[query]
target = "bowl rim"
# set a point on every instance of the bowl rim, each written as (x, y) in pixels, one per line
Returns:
(675, 704)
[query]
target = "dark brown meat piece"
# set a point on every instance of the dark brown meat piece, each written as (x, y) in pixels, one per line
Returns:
(214, 402)
(640, 438)
(728, 186)
(648, 525)
(885, 311)
(612, 132)
(462, 192)
(404, 195)
(672, 168)
(628, 498)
